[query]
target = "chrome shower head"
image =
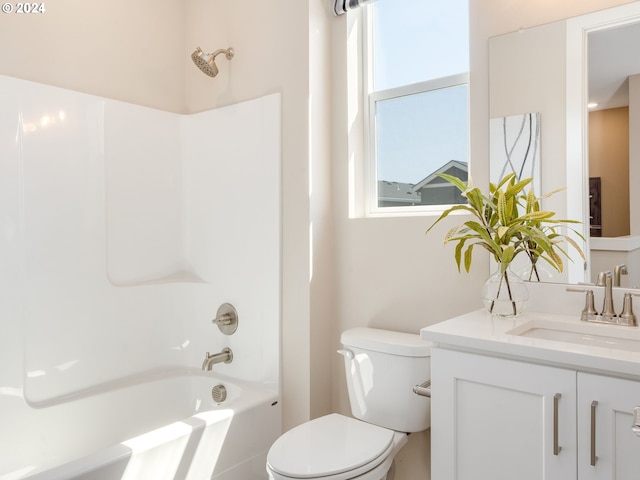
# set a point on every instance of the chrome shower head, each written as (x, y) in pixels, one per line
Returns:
(206, 61)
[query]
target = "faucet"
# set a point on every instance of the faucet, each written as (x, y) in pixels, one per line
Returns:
(225, 356)
(617, 270)
(608, 313)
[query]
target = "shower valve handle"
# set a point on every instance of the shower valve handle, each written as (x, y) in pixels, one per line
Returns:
(226, 319)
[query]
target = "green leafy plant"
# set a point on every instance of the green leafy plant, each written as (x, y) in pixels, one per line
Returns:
(506, 223)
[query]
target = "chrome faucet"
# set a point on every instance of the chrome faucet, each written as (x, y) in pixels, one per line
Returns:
(225, 356)
(617, 271)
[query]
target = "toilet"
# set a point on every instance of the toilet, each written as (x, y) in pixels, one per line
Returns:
(381, 367)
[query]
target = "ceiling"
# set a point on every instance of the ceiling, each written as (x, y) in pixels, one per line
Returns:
(613, 56)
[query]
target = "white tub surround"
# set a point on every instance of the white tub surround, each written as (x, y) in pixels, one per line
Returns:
(122, 230)
(543, 395)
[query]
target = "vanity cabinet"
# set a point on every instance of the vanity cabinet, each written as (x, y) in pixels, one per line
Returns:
(504, 419)
(605, 409)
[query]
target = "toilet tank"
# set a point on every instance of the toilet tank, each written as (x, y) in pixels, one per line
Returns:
(382, 367)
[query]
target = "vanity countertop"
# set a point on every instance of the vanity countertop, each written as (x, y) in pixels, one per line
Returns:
(479, 331)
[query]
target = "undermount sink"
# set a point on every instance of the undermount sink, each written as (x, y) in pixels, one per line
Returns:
(595, 335)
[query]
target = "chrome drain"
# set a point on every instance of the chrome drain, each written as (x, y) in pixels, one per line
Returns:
(219, 393)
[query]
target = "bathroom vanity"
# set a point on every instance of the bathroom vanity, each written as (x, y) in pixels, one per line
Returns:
(541, 396)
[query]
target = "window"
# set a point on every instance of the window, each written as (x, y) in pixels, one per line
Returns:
(417, 62)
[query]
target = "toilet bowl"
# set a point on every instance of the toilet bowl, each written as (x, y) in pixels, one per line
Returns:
(382, 367)
(334, 447)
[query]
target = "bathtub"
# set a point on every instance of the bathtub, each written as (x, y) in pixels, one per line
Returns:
(168, 428)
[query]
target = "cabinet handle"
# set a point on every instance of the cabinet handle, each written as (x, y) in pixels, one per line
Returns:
(594, 458)
(556, 447)
(636, 421)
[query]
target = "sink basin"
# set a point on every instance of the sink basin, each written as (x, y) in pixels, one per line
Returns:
(595, 335)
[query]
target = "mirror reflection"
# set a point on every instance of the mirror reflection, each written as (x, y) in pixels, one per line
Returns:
(582, 76)
(612, 64)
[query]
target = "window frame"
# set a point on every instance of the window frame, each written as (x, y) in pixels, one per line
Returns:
(370, 98)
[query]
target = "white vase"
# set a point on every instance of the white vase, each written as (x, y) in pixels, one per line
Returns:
(505, 294)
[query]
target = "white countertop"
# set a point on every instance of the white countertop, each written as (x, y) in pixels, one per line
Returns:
(481, 332)
(627, 243)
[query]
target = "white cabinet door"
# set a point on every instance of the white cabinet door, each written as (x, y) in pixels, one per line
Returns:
(616, 449)
(493, 419)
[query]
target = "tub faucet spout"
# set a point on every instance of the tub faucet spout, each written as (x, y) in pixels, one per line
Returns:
(225, 356)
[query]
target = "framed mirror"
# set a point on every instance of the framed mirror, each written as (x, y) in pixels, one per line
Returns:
(554, 71)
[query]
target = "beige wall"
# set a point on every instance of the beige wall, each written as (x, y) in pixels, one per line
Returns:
(129, 51)
(609, 160)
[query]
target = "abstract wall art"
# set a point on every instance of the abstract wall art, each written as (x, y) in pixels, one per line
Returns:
(515, 148)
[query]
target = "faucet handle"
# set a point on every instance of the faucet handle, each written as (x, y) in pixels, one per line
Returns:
(226, 319)
(627, 316)
(589, 311)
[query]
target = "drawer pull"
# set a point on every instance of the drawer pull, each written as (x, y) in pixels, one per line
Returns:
(556, 446)
(594, 458)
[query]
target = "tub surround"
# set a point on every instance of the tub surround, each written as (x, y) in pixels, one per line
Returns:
(123, 229)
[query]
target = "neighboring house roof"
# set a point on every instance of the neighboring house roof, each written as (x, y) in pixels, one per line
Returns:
(433, 178)
(397, 192)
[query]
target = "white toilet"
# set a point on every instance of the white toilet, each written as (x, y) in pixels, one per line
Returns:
(382, 367)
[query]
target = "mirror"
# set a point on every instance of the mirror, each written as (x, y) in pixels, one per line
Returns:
(554, 70)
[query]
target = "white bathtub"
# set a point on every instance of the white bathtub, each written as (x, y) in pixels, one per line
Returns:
(168, 428)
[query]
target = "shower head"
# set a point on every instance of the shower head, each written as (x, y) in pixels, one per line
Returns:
(206, 61)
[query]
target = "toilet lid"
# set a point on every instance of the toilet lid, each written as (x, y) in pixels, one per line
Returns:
(328, 445)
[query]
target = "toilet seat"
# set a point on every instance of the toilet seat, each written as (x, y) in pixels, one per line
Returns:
(333, 447)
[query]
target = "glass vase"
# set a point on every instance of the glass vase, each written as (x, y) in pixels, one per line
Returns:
(505, 294)
(536, 272)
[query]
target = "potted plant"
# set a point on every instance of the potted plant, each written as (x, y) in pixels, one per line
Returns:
(506, 223)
